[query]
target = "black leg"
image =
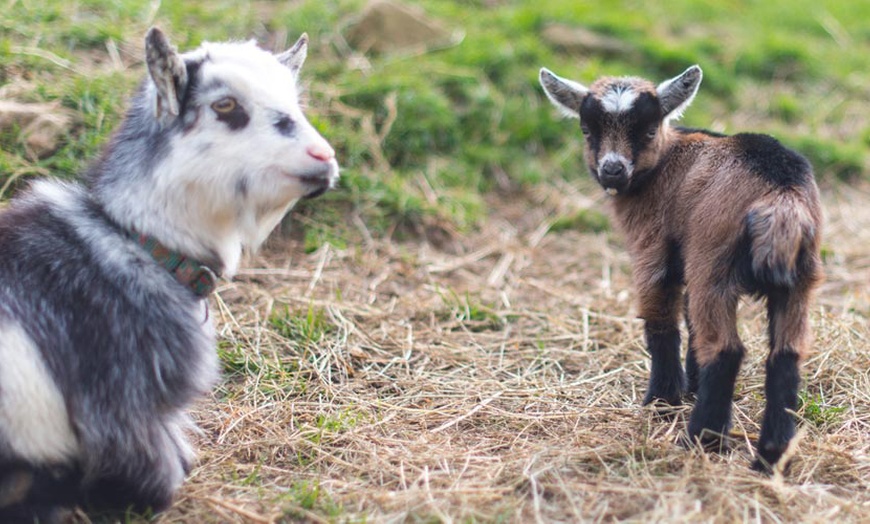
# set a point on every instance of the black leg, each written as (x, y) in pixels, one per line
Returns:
(778, 428)
(711, 417)
(692, 370)
(44, 494)
(667, 382)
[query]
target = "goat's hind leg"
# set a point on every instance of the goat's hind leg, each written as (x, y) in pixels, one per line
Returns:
(788, 332)
(719, 353)
(45, 494)
(150, 477)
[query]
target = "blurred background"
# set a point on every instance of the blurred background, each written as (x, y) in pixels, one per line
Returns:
(434, 106)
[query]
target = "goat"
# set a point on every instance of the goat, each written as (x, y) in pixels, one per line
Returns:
(105, 338)
(707, 218)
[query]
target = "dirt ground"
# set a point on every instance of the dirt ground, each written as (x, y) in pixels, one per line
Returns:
(498, 378)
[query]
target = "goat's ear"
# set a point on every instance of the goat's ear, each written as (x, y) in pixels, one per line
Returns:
(167, 70)
(676, 94)
(294, 57)
(565, 94)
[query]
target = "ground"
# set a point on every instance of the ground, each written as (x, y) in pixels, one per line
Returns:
(499, 378)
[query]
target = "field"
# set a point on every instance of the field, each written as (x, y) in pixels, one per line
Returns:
(451, 334)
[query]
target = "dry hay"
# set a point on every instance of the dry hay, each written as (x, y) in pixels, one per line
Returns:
(503, 383)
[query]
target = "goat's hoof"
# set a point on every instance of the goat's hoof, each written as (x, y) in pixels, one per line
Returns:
(663, 407)
(708, 440)
(670, 398)
(768, 457)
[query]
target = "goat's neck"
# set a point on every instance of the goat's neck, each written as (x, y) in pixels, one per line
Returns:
(146, 187)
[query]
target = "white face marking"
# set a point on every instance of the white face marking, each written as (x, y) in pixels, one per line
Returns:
(619, 99)
(33, 416)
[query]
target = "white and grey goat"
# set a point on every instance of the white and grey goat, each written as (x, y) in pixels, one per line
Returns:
(717, 217)
(104, 333)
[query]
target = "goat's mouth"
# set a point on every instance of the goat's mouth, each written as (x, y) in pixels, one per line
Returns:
(613, 186)
(317, 182)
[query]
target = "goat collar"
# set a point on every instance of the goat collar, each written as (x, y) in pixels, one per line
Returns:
(190, 273)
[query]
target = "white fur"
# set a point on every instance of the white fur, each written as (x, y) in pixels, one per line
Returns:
(613, 156)
(193, 203)
(35, 420)
(619, 99)
(579, 89)
(677, 112)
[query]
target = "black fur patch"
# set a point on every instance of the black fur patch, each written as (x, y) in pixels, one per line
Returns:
(667, 382)
(284, 124)
(711, 417)
(236, 119)
(101, 498)
(643, 117)
(773, 162)
(48, 486)
(675, 274)
(591, 120)
(692, 130)
(193, 81)
(778, 426)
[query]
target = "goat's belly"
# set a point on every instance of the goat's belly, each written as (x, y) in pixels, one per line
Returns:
(34, 423)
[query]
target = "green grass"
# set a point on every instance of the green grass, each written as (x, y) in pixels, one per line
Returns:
(471, 117)
(302, 328)
(817, 411)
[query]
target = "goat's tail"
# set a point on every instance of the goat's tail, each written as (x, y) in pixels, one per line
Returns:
(782, 227)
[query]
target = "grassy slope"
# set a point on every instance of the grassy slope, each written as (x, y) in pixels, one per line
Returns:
(469, 118)
(471, 127)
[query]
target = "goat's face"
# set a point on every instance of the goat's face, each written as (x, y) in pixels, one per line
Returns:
(240, 147)
(622, 121)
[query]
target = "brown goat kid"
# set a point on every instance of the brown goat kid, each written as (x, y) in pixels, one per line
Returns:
(711, 217)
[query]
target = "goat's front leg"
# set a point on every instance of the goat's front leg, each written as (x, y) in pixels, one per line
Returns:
(660, 307)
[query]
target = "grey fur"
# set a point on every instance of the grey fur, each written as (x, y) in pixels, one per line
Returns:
(101, 349)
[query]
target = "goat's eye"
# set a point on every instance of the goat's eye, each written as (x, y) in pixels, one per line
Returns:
(652, 132)
(584, 130)
(225, 105)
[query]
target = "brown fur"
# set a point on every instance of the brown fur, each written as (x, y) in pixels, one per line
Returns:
(707, 218)
(699, 200)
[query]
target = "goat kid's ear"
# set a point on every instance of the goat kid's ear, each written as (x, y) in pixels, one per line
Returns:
(294, 57)
(167, 71)
(676, 94)
(565, 94)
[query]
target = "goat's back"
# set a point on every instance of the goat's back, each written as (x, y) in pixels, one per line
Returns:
(111, 343)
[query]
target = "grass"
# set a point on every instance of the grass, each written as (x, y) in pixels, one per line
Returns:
(420, 138)
(451, 336)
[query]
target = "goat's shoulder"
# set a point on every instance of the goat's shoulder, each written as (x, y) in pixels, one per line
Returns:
(74, 280)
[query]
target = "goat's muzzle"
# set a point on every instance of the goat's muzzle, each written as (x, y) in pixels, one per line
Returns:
(319, 181)
(613, 176)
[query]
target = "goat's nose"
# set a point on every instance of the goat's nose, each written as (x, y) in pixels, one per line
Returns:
(612, 169)
(322, 152)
